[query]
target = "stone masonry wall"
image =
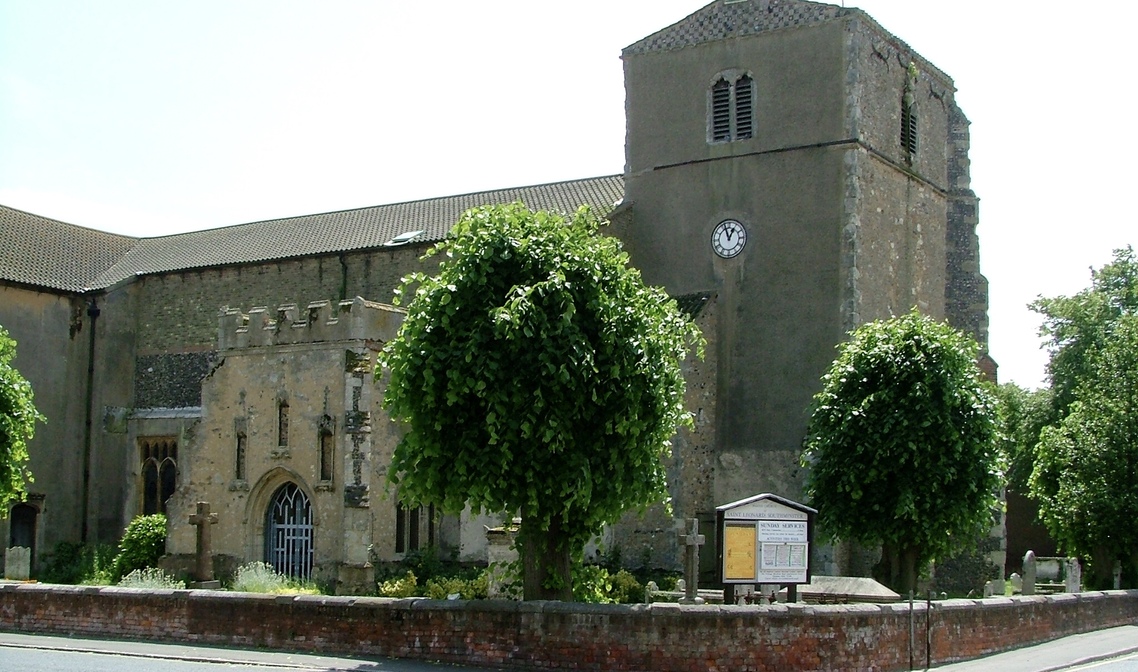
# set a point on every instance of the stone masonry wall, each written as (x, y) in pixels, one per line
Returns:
(178, 311)
(177, 316)
(555, 635)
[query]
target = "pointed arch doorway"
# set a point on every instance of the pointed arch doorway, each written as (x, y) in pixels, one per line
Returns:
(288, 532)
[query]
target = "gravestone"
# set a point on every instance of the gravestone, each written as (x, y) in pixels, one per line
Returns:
(691, 542)
(1029, 573)
(203, 571)
(1073, 581)
(18, 563)
(995, 588)
(649, 591)
(1017, 583)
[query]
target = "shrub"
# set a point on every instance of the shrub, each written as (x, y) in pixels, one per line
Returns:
(625, 588)
(143, 542)
(260, 577)
(477, 588)
(73, 563)
(591, 583)
(404, 586)
(150, 578)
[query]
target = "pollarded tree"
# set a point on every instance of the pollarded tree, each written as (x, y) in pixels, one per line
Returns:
(18, 417)
(1086, 468)
(538, 374)
(902, 445)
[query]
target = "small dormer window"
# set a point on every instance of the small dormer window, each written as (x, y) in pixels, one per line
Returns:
(731, 108)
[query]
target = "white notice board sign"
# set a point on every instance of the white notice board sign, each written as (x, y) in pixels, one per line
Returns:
(765, 539)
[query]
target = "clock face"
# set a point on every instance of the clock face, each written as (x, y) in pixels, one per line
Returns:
(728, 238)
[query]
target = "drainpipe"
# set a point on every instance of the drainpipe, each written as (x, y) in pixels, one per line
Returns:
(93, 313)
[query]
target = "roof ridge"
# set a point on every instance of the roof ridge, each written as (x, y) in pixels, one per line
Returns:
(384, 205)
(77, 226)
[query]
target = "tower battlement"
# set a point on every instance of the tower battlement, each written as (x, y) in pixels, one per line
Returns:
(319, 322)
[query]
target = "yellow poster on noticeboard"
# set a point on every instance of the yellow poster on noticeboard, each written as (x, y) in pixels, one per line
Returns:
(739, 553)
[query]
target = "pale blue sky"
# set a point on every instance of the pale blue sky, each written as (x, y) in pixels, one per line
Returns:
(151, 117)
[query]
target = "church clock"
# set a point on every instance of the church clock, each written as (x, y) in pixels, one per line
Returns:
(728, 238)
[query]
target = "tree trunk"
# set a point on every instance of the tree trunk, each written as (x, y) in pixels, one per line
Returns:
(909, 570)
(547, 573)
(898, 568)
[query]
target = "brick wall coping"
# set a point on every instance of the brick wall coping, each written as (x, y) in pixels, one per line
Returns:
(556, 635)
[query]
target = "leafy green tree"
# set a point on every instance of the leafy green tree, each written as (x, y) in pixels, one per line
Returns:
(1076, 327)
(1086, 470)
(1022, 415)
(18, 417)
(902, 444)
(536, 373)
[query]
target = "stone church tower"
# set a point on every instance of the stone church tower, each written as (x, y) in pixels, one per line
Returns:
(805, 171)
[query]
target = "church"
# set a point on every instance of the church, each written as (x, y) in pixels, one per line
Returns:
(792, 170)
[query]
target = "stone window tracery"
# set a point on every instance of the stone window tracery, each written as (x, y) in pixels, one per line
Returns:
(159, 472)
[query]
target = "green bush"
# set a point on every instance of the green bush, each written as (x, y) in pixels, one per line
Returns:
(625, 588)
(260, 577)
(73, 563)
(591, 583)
(477, 588)
(404, 586)
(150, 578)
(143, 542)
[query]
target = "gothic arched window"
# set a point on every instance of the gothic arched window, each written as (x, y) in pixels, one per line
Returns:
(159, 457)
(288, 532)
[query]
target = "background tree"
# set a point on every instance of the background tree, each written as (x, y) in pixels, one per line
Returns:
(1085, 462)
(18, 417)
(1076, 327)
(1022, 415)
(537, 374)
(902, 444)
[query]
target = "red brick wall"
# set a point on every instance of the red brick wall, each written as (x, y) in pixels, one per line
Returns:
(568, 636)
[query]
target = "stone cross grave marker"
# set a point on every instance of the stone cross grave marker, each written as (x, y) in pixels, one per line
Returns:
(203, 519)
(692, 541)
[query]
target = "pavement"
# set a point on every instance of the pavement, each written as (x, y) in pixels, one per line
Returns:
(273, 660)
(1058, 654)
(1053, 656)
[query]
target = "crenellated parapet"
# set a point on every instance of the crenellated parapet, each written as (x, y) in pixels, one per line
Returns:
(319, 322)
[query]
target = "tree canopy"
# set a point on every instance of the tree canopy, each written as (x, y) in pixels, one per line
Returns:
(1022, 415)
(1085, 476)
(1076, 327)
(18, 417)
(536, 373)
(901, 444)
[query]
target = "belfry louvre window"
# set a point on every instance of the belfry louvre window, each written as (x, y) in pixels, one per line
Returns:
(732, 113)
(909, 128)
(159, 458)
